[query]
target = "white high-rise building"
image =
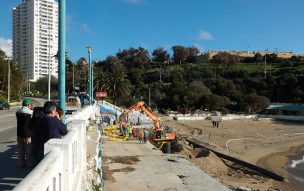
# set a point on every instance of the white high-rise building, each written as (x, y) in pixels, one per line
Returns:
(35, 37)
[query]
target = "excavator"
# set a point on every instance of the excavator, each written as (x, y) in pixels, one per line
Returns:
(160, 135)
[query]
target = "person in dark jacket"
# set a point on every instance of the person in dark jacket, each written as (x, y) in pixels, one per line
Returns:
(23, 116)
(39, 135)
(56, 128)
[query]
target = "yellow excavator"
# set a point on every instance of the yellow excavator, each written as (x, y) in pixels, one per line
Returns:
(160, 135)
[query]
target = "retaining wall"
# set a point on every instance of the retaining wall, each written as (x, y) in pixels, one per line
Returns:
(283, 117)
(64, 165)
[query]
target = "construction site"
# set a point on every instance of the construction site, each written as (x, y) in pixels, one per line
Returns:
(187, 152)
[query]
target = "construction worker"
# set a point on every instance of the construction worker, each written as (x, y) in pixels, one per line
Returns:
(134, 132)
(146, 135)
(141, 136)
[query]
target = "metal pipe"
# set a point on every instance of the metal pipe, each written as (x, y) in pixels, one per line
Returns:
(61, 51)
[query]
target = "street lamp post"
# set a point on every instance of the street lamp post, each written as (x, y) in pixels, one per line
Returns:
(8, 79)
(90, 76)
(61, 54)
(73, 80)
(92, 82)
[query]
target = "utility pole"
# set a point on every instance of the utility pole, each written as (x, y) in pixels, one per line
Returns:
(8, 81)
(265, 71)
(90, 76)
(73, 80)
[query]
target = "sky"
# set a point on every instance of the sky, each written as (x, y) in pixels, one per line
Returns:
(112, 25)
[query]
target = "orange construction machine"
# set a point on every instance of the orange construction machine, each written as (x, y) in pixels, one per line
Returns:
(160, 135)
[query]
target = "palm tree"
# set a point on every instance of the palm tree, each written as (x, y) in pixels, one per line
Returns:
(101, 81)
(119, 87)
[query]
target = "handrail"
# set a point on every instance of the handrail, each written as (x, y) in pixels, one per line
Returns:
(64, 165)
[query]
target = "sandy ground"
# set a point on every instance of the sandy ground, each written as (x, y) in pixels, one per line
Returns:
(268, 144)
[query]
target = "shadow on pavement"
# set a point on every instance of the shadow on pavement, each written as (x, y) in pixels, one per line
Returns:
(10, 173)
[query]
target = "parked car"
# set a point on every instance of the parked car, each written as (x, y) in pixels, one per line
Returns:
(4, 105)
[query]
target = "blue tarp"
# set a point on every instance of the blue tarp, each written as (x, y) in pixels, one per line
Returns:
(107, 109)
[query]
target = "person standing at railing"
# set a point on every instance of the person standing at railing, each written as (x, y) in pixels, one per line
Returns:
(56, 128)
(39, 135)
(23, 116)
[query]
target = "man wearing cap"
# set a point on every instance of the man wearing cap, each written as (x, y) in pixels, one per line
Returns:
(24, 115)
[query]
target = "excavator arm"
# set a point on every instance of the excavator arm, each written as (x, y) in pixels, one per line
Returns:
(146, 109)
(169, 136)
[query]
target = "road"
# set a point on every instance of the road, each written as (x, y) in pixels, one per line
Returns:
(10, 174)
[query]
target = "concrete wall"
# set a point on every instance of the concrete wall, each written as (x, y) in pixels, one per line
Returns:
(284, 117)
(226, 117)
(64, 165)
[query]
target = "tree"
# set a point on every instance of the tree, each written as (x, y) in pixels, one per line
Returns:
(69, 74)
(288, 88)
(101, 81)
(160, 55)
(17, 78)
(2, 55)
(141, 58)
(180, 54)
(255, 104)
(81, 74)
(112, 63)
(195, 91)
(225, 58)
(193, 52)
(119, 87)
(258, 57)
(133, 57)
(214, 102)
(41, 85)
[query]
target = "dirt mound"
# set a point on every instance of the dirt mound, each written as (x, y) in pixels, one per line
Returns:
(209, 161)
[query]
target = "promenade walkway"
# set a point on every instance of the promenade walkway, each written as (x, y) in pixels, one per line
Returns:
(131, 166)
(10, 174)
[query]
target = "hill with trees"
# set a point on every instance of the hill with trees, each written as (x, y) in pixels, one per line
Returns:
(185, 78)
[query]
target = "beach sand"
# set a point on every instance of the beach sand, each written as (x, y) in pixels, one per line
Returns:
(269, 144)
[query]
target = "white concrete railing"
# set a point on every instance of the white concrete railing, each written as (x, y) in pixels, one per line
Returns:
(64, 165)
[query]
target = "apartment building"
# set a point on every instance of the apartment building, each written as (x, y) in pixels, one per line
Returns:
(35, 37)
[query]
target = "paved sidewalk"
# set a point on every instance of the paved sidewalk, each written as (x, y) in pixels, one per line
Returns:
(131, 166)
(10, 173)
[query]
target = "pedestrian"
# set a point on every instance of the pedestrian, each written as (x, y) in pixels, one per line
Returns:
(146, 135)
(217, 124)
(55, 126)
(213, 121)
(39, 135)
(129, 129)
(141, 136)
(24, 115)
(134, 132)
